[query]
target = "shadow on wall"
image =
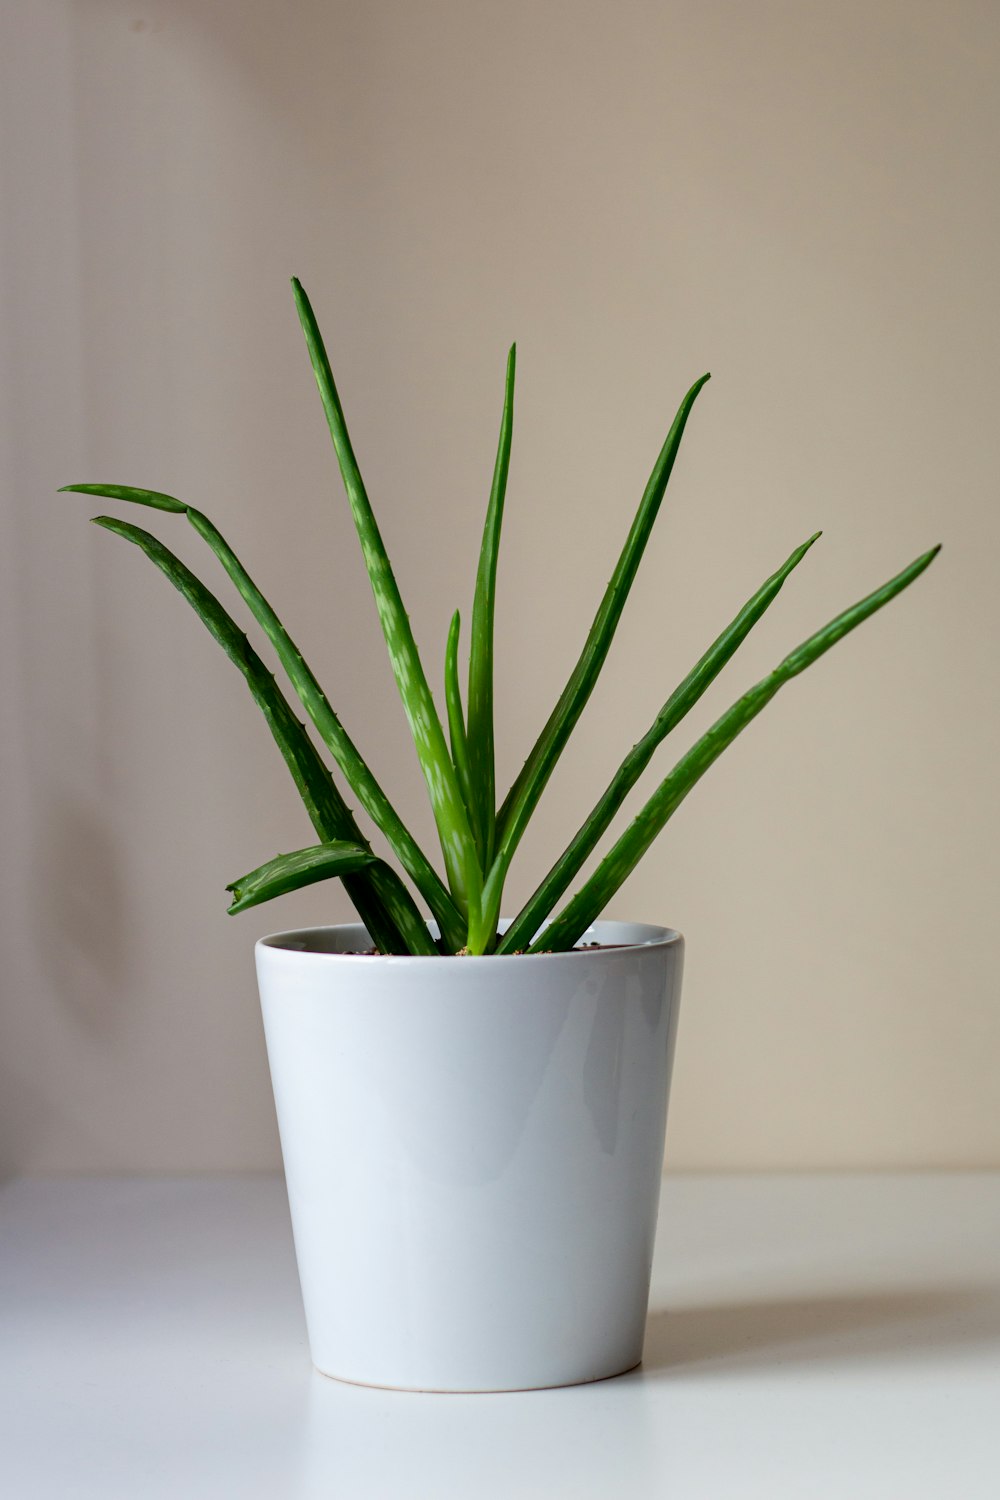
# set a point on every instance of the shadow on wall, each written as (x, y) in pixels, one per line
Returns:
(78, 914)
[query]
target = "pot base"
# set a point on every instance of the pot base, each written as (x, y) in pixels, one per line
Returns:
(503, 1390)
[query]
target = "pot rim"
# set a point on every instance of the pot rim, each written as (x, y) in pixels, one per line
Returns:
(293, 943)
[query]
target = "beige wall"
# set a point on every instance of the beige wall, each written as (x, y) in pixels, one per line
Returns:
(801, 197)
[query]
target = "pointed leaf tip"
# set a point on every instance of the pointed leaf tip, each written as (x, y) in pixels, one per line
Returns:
(155, 499)
(810, 541)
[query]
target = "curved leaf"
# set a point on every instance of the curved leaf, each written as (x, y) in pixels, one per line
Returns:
(452, 820)
(524, 794)
(290, 872)
(384, 905)
(364, 784)
(680, 702)
(622, 859)
(482, 772)
(154, 498)
(456, 719)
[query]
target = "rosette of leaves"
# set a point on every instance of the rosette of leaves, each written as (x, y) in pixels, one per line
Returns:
(478, 833)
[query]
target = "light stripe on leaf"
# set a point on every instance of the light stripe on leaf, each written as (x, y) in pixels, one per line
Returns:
(382, 900)
(621, 860)
(482, 774)
(318, 707)
(290, 872)
(456, 719)
(530, 783)
(680, 703)
(154, 498)
(454, 832)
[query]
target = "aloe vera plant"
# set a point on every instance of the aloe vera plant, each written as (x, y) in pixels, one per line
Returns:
(478, 838)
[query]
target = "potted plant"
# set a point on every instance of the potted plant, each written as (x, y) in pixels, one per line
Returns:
(471, 1107)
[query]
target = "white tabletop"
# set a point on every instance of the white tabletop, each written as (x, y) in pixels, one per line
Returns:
(809, 1338)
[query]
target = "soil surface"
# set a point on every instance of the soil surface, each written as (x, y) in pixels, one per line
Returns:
(518, 952)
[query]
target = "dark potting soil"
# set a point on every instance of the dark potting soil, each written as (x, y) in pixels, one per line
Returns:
(518, 952)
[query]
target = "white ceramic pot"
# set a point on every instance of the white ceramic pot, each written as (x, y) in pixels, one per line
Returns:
(473, 1149)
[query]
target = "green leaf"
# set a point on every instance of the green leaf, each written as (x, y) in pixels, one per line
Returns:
(382, 900)
(290, 872)
(524, 794)
(348, 757)
(482, 773)
(621, 860)
(680, 703)
(155, 498)
(365, 786)
(457, 844)
(456, 718)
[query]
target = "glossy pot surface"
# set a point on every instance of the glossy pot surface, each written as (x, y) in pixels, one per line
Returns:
(473, 1149)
